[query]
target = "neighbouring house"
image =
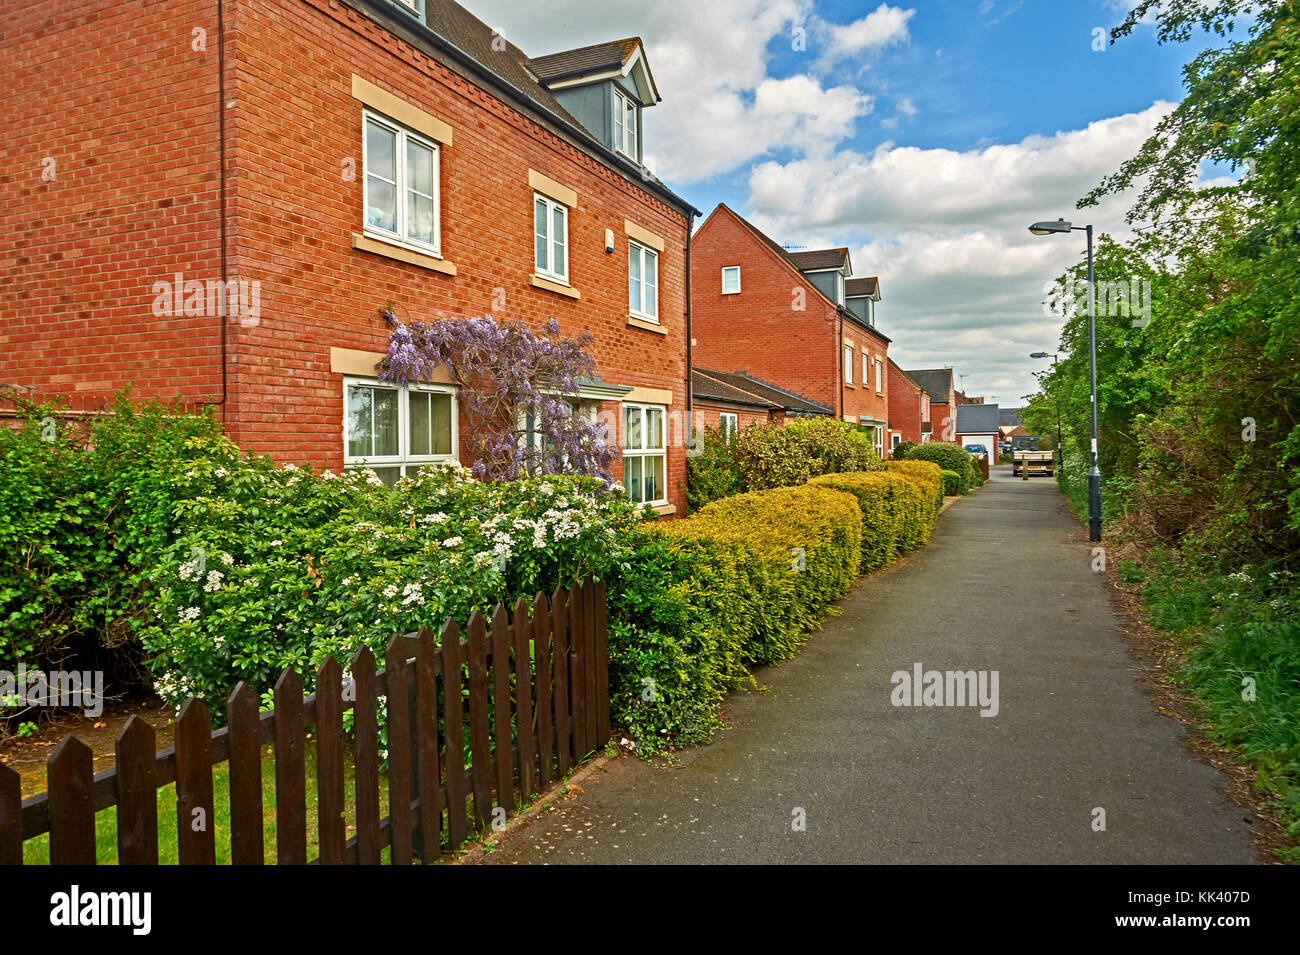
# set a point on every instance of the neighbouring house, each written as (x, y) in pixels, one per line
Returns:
(977, 423)
(214, 201)
(937, 383)
(798, 321)
(725, 406)
(909, 408)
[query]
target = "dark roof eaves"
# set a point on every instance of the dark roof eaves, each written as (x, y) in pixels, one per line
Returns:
(422, 35)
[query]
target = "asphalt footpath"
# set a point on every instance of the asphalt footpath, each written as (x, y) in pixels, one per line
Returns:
(1040, 747)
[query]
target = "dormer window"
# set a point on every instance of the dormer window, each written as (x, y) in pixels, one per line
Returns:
(625, 125)
(413, 6)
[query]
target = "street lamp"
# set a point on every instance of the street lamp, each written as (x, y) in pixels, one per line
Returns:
(1060, 454)
(1094, 476)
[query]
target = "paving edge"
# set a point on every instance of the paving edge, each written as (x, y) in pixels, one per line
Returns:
(477, 852)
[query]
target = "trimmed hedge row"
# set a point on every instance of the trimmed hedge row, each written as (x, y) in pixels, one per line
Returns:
(742, 582)
(951, 483)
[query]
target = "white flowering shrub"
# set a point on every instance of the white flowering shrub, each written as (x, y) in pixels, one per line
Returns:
(280, 566)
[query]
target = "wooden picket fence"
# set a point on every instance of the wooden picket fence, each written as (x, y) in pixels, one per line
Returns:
(532, 689)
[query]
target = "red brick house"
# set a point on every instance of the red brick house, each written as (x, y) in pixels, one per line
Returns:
(909, 409)
(797, 321)
(317, 159)
(937, 383)
(733, 400)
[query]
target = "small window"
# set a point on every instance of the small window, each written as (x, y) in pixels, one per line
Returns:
(625, 124)
(728, 424)
(415, 6)
(643, 282)
(394, 431)
(894, 440)
(731, 280)
(879, 367)
(401, 184)
(848, 364)
(551, 237)
(865, 365)
(644, 455)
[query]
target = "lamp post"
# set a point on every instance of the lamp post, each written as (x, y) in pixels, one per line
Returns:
(1094, 476)
(1060, 454)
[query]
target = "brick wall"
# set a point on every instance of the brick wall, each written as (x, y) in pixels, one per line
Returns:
(294, 141)
(760, 331)
(109, 184)
(905, 406)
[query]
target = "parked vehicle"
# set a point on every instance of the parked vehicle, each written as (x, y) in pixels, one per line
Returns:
(976, 449)
(1036, 462)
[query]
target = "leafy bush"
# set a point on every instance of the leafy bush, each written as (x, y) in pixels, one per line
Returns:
(84, 517)
(887, 501)
(785, 455)
(274, 567)
(920, 511)
(903, 450)
(713, 473)
(951, 482)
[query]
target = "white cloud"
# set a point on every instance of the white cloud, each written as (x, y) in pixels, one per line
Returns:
(946, 232)
(721, 107)
(880, 28)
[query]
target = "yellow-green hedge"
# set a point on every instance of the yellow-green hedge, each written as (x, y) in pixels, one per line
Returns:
(886, 501)
(773, 563)
(919, 515)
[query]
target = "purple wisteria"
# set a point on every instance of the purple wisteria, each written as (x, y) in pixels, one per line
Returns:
(519, 390)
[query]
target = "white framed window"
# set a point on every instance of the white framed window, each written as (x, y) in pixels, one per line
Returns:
(894, 440)
(643, 281)
(530, 437)
(866, 359)
(879, 374)
(394, 431)
(645, 460)
(551, 238)
(625, 124)
(879, 441)
(848, 364)
(728, 424)
(731, 280)
(400, 184)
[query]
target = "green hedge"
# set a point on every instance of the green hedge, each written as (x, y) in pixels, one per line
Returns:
(712, 473)
(922, 510)
(788, 455)
(950, 457)
(886, 501)
(951, 482)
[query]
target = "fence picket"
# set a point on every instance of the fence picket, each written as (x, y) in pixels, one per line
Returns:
(426, 736)
(589, 665)
(247, 846)
(195, 822)
(602, 666)
(524, 727)
(72, 813)
(365, 728)
(578, 672)
(505, 759)
(454, 732)
(479, 741)
(11, 816)
(560, 666)
(331, 827)
(137, 793)
(545, 689)
(290, 771)
(398, 678)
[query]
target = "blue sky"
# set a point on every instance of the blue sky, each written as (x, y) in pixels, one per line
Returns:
(925, 136)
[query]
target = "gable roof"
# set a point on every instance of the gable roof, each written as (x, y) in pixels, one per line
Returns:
(977, 419)
(1009, 416)
(936, 382)
(906, 377)
(787, 257)
(460, 35)
(594, 60)
(820, 259)
(710, 386)
(855, 288)
(779, 397)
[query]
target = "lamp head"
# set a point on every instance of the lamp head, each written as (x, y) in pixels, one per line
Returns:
(1047, 227)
